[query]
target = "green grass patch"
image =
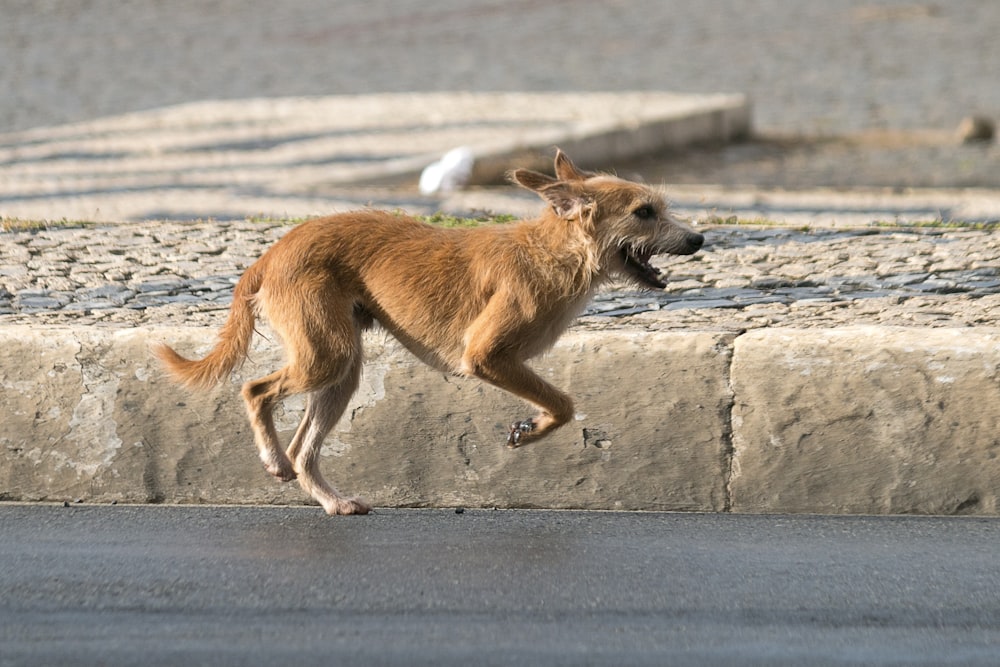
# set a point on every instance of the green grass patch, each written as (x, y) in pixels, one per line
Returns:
(735, 221)
(451, 221)
(272, 220)
(439, 219)
(444, 220)
(18, 225)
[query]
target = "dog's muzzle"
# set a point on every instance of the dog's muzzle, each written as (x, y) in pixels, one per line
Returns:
(693, 242)
(637, 264)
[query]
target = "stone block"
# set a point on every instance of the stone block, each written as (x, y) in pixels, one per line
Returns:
(90, 416)
(866, 420)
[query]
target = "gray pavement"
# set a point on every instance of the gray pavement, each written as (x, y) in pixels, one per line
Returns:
(254, 586)
(299, 157)
(815, 68)
(846, 94)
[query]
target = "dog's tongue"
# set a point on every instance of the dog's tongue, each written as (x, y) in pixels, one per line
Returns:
(646, 271)
(653, 276)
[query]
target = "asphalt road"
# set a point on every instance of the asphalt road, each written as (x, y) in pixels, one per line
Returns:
(246, 586)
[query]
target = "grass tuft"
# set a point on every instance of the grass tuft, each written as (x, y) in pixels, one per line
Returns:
(445, 220)
(18, 225)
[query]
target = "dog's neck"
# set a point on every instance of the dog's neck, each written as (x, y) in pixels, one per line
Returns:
(567, 244)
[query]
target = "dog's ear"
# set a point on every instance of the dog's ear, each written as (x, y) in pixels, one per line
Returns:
(565, 200)
(531, 180)
(567, 171)
(567, 203)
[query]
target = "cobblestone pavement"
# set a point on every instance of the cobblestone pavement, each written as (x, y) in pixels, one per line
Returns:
(746, 277)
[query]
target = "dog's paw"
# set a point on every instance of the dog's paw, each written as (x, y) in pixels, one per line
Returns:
(282, 469)
(518, 431)
(347, 506)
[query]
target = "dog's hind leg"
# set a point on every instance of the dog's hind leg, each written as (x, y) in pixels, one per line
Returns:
(260, 397)
(323, 408)
(322, 350)
(325, 357)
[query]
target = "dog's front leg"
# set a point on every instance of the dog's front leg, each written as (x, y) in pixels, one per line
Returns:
(488, 359)
(555, 407)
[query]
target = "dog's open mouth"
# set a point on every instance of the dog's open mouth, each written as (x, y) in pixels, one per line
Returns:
(638, 267)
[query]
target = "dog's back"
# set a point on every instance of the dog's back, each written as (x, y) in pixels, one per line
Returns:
(427, 284)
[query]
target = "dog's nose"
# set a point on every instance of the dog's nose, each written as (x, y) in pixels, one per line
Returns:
(695, 240)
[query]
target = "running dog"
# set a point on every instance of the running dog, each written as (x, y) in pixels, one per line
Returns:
(476, 302)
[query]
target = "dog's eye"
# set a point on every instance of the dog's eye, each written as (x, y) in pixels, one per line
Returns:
(644, 212)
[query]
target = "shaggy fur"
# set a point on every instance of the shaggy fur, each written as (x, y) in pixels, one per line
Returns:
(477, 302)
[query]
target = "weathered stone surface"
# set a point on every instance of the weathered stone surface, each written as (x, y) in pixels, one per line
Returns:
(744, 278)
(90, 416)
(851, 420)
(866, 420)
(87, 415)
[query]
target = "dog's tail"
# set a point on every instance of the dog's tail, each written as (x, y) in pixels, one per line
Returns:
(232, 346)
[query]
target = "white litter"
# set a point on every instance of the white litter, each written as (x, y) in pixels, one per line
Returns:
(449, 173)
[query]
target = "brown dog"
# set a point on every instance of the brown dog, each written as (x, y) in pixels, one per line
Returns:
(476, 302)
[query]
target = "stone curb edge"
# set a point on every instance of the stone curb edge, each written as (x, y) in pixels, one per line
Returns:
(860, 420)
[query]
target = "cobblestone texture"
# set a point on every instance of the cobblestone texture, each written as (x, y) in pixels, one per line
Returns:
(746, 277)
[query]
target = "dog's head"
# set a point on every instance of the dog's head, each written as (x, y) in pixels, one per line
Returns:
(629, 222)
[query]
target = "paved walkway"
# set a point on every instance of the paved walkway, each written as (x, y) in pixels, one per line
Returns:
(826, 258)
(896, 78)
(816, 67)
(297, 157)
(746, 277)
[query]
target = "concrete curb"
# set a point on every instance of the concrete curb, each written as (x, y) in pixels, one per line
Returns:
(854, 420)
